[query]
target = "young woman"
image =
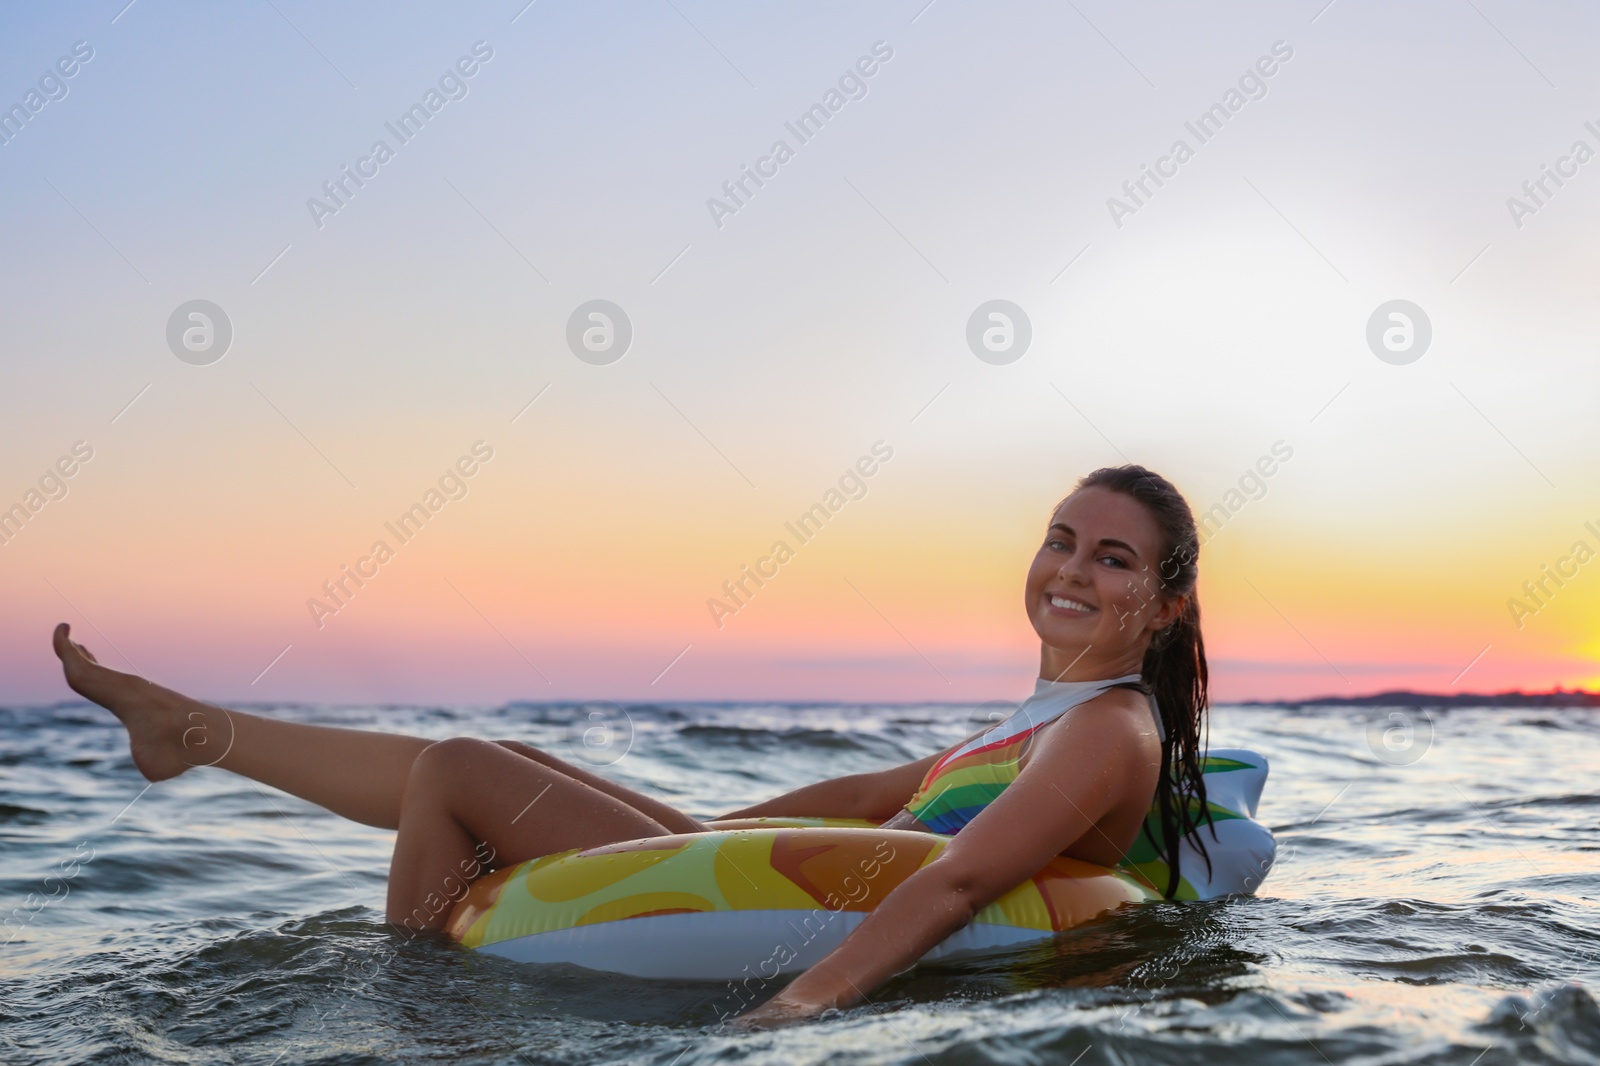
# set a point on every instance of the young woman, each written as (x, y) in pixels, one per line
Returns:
(1121, 694)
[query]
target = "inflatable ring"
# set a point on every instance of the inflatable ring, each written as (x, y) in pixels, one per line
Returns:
(769, 896)
(741, 902)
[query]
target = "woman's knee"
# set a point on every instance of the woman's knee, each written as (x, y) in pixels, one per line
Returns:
(449, 758)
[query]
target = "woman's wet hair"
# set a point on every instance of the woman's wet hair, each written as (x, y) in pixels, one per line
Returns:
(1175, 663)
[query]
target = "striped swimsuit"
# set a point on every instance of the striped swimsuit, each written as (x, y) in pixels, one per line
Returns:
(968, 779)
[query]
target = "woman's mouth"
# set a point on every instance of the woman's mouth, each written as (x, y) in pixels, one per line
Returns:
(1068, 605)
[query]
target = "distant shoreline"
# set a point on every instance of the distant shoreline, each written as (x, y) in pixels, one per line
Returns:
(1407, 698)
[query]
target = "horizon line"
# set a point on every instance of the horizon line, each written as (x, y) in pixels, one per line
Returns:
(1413, 695)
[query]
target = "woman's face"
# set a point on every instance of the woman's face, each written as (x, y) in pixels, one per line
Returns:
(1094, 588)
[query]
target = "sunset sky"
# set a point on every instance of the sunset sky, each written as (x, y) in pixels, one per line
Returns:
(380, 332)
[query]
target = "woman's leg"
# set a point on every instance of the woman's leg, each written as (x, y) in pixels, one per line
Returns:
(355, 773)
(472, 804)
(675, 820)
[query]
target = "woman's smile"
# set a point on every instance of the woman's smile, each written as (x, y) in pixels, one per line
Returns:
(1069, 606)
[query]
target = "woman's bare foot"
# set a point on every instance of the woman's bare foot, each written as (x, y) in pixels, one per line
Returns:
(166, 734)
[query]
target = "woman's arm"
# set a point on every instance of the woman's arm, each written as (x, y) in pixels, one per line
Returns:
(876, 795)
(1075, 777)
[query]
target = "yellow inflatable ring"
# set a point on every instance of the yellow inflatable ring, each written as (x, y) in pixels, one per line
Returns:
(752, 899)
(766, 896)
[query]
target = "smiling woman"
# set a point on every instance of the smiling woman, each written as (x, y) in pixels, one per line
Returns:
(1078, 774)
(1149, 595)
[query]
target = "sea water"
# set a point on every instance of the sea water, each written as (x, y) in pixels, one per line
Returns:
(1435, 901)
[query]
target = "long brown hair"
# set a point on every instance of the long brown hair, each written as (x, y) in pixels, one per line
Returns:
(1175, 663)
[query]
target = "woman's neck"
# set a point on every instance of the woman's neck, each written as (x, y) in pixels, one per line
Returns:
(1084, 664)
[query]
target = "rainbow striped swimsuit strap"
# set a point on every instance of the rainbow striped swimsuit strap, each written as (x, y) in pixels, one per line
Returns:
(969, 778)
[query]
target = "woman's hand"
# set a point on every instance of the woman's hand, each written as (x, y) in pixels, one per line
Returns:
(1078, 772)
(776, 1013)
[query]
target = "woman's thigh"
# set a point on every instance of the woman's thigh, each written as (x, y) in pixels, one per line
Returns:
(472, 805)
(675, 820)
(521, 807)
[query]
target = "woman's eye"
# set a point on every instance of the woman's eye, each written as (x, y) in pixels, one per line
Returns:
(1114, 560)
(1056, 544)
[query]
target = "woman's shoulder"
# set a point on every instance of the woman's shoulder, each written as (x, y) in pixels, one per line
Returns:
(1121, 718)
(1135, 706)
